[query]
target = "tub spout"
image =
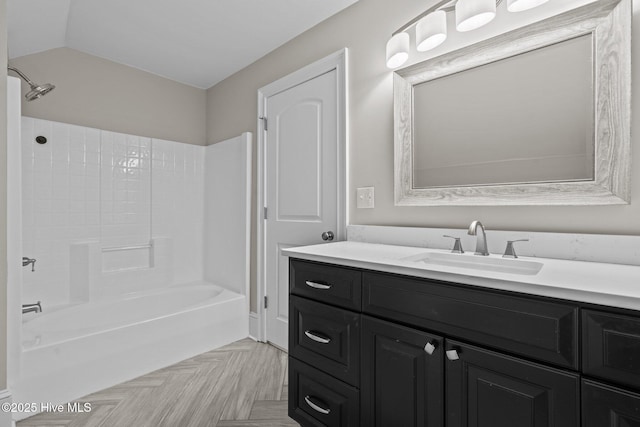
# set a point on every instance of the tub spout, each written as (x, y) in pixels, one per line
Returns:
(35, 308)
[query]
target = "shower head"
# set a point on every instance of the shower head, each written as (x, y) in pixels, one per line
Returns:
(37, 91)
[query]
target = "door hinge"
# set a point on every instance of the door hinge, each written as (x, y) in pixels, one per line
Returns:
(265, 212)
(266, 301)
(264, 120)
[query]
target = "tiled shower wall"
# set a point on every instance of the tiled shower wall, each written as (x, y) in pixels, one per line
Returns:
(88, 185)
(125, 189)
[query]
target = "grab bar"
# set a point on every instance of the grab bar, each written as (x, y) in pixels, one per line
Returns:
(126, 248)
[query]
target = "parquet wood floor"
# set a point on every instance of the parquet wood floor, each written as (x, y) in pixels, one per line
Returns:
(241, 384)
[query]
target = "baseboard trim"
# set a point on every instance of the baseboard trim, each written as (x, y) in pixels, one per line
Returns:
(253, 326)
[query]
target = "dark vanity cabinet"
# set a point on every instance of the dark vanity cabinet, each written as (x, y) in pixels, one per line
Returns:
(402, 377)
(610, 359)
(483, 384)
(324, 344)
(377, 349)
(489, 389)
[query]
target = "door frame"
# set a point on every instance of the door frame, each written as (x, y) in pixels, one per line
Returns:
(336, 61)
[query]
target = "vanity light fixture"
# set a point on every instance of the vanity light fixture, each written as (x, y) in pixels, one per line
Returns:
(473, 14)
(431, 31)
(398, 50)
(431, 26)
(521, 5)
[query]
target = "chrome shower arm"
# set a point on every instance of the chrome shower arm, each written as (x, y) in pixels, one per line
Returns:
(21, 74)
(37, 91)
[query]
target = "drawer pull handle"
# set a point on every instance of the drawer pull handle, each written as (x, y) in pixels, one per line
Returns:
(316, 285)
(316, 407)
(452, 355)
(430, 348)
(317, 338)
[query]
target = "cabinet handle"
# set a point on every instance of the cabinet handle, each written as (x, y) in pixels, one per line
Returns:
(316, 407)
(452, 355)
(317, 338)
(430, 347)
(316, 285)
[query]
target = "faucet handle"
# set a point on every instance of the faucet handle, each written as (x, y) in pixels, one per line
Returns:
(509, 251)
(26, 261)
(457, 245)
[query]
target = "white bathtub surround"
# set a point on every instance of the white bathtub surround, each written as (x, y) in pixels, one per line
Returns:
(87, 185)
(116, 223)
(177, 191)
(61, 203)
(577, 247)
(228, 226)
(598, 283)
(79, 350)
(98, 272)
(125, 189)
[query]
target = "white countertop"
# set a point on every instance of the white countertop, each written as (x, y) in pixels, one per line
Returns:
(592, 282)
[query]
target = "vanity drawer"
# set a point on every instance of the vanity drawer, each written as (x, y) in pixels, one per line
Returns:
(326, 337)
(341, 286)
(606, 406)
(539, 329)
(611, 347)
(317, 399)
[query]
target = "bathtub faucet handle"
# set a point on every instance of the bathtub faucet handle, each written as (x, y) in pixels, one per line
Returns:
(26, 261)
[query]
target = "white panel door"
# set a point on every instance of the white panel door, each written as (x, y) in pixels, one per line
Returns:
(301, 184)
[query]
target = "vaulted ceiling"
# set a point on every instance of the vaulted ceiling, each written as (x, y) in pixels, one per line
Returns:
(196, 42)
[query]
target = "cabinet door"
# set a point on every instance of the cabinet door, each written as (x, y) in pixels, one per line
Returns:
(402, 376)
(488, 389)
(611, 347)
(605, 406)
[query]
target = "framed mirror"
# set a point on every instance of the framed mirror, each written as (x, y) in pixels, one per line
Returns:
(537, 116)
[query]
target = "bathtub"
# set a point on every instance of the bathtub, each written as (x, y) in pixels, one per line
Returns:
(76, 350)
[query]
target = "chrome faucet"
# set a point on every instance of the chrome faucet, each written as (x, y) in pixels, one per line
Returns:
(457, 245)
(509, 251)
(26, 261)
(28, 308)
(481, 240)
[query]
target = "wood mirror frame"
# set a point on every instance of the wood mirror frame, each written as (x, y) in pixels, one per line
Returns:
(609, 23)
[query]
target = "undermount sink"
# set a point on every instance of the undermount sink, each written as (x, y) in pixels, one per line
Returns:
(477, 262)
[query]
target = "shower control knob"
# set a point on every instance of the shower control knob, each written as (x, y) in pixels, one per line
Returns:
(327, 236)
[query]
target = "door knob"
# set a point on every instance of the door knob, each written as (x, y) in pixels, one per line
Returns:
(327, 235)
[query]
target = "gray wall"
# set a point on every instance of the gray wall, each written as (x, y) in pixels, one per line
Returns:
(3, 195)
(365, 28)
(95, 92)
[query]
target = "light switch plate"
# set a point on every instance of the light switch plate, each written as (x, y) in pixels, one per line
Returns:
(365, 198)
